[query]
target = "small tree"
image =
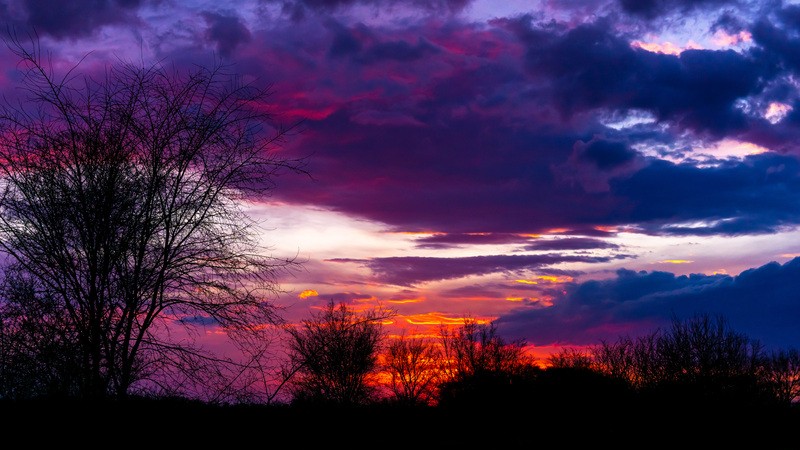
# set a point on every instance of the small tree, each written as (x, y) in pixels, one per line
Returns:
(413, 365)
(334, 355)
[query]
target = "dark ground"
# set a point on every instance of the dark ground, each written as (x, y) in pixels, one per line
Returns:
(171, 422)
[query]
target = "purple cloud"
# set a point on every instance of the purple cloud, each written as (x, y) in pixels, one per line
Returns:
(760, 302)
(412, 270)
(448, 240)
(571, 244)
(72, 19)
(650, 9)
(226, 31)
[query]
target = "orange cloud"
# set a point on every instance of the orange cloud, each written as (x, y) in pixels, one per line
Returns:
(437, 318)
(308, 293)
(406, 300)
(676, 261)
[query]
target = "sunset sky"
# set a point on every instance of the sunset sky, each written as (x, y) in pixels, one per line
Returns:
(573, 170)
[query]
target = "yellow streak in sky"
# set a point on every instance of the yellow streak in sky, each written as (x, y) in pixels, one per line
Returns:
(437, 318)
(515, 299)
(406, 300)
(676, 261)
(555, 278)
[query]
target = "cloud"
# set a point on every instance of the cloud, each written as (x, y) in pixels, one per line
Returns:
(591, 66)
(412, 270)
(446, 240)
(570, 244)
(77, 18)
(650, 9)
(758, 194)
(226, 31)
(328, 5)
(760, 302)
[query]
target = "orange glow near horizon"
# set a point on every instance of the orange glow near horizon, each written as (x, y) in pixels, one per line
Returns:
(676, 261)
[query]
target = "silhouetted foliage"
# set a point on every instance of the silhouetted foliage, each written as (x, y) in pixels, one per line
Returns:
(571, 358)
(38, 354)
(781, 375)
(480, 367)
(121, 214)
(413, 365)
(334, 356)
(699, 360)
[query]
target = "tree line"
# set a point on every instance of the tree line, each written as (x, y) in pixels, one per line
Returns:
(699, 360)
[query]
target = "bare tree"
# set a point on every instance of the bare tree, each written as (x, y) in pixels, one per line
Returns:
(334, 355)
(572, 358)
(413, 365)
(781, 374)
(482, 369)
(122, 199)
(705, 346)
(477, 349)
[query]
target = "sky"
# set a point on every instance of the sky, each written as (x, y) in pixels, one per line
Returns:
(572, 170)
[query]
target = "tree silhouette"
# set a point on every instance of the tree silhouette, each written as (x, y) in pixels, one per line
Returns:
(479, 367)
(334, 355)
(121, 204)
(781, 374)
(413, 365)
(698, 360)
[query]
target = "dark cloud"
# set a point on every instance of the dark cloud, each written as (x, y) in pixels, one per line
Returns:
(571, 244)
(78, 18)
(226, 32)
(591, 66)
(328, 5)
(604, 154)
(412, 270)
(204, 321)
(445, 240)
(473, 291)
(760, 302)
(360, 44)
(340, 297)
(650, 9)
(756, 195)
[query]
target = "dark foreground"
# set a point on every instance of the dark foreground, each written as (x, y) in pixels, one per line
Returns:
(174, 422)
